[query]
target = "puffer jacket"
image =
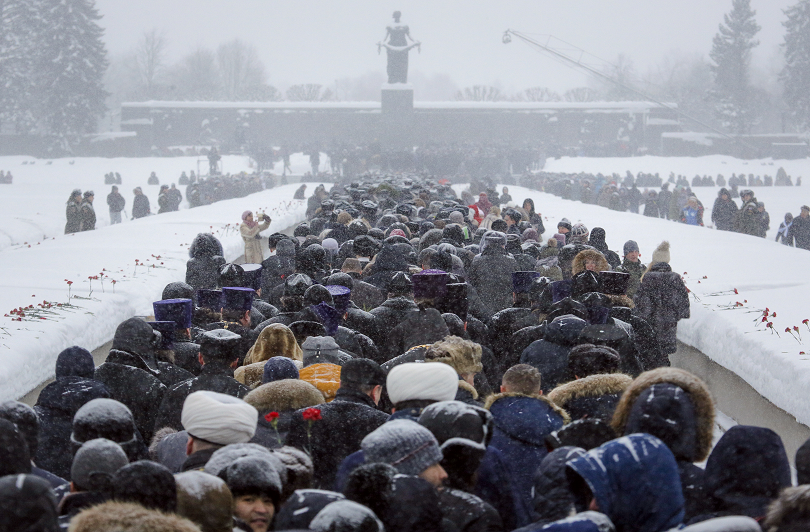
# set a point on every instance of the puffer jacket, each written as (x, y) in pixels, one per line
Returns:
(635, 482)
(662, 300)
(550, 355)
(521, 424)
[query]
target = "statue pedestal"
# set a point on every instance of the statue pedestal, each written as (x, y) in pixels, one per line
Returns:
(397, 98)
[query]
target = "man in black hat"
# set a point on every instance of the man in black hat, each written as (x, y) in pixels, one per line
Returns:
(509, 321)
(289, 298)
(219, 356)
(131, 373)
(180, 311)
(344, 422)
(235, 312)
(394, 309)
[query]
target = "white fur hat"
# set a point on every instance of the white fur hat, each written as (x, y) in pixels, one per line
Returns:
(422, 381)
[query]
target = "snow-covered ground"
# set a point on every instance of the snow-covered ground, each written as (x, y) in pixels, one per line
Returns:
(778, 200)
(141, 256)
(33, 207)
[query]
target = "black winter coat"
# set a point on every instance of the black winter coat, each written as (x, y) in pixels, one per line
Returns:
(419, 327)
(467, 512)
(203, 273)
(186, 355)
(550, 355)
(366, 296)
(553, 499)
(73, 216)
(140, 206)
(724, 212)
(662, 300)
(491, 275)
(345, 422)
(391, 313)
(501, 328)
(799, 232)
(58, 402)
(130, 382)
(212, 378)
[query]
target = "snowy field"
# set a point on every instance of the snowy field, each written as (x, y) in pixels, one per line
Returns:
(141, 256)
(33, 207)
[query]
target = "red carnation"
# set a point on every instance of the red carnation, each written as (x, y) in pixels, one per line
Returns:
(312, 414)
(271, 416)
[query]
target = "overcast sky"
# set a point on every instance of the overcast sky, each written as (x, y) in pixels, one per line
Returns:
(313, 41)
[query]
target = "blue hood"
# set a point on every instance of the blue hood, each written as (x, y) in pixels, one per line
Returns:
(635, 482)
(527, 419)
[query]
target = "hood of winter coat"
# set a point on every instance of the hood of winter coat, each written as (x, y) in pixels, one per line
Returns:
(275, 340)
(667, 412)
(399, 303)
(591, 386)
(528, 419)
(747, 469)
(553, 499)
(389, 259)
(204, 246)
(69, 394)
(578, 264)
(635, 482)
(283, 395)
(696, 393)
(564, 330)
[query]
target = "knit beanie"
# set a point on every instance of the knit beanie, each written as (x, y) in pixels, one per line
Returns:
(565, 223)
(95, 464)
(560, 239)
(279, 368)
(661, 253)
(75, 362)
(579, 229)
(404, 444)
(219, 418)
(629, 247)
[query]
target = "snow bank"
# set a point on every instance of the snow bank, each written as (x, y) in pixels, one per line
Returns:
(714, 264)
(142, 256)
(33, 206)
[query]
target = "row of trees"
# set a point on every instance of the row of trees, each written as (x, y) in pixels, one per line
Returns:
(52, 64)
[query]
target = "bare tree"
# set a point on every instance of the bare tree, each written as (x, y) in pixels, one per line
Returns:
(308, 92)
(538, 94)
(480, 93)
(196, 76)
(151, 59)
(242, 73)
(581, 94)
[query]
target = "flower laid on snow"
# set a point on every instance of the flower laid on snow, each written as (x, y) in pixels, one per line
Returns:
(735, 290)
(791, 331)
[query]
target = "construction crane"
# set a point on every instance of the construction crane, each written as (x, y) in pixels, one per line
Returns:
(578, 63)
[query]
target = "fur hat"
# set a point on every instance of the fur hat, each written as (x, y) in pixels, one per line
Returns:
(27, 504)
(95, 463)
(789, 513)
(698, 393)
(461, 355)
(661, 253)
(287, 394)
(275, 340)
(128, 517)
(404, 444)
(205, 500)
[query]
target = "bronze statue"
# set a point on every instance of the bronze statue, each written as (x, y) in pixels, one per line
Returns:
(398, 43)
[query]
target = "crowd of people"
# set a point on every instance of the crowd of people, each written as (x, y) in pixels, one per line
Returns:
(637, 194)
(393, 366)
(80, 214)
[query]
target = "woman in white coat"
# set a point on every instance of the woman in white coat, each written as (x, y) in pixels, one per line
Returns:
(250, 230)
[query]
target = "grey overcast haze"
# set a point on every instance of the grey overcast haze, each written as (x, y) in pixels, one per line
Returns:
(320, 42)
